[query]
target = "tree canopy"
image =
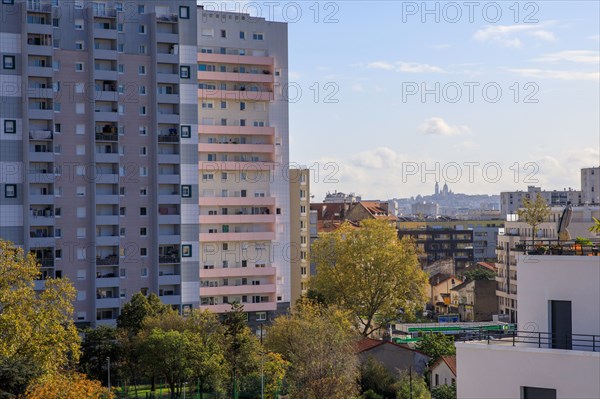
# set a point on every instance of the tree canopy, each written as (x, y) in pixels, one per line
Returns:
(370, 272)
(436, 345)
(534, 213)
(37, 333)
(319, 344)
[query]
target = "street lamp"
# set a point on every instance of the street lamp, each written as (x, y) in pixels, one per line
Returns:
(108, 361)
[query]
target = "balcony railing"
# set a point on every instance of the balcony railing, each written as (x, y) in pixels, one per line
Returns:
(107, 136)
(168, 138)
(111, 260)
(536, 339)
(46, 262)
(168, 259)
(557, 247)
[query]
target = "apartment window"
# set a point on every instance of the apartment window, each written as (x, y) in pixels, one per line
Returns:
(81, 191)
(186, 191)
(143, 232)
(208, 176)
(143, 171)
(144, 272)
(81, 233)
(81, 212)
(10, 191)
(207, 105)
(208, 32)
(79, 129)
(57, 212)
(142, 90)
(242, 106)
(79, 66)
(143, 211)
(143, 251)
(261, 316)
(143, 130)
(122, 190)
(144, 191)
(184, 72)
(184, 12)
(56, 65)
(143, 151)
(142, 70)
(223, 104)
(223, 33)
(122, 211)
(10, 126)
(242, 35)
(143, 49)
(8, 62)
(8, 1)
(79, 24)
(123, 273)
(120, 27)
(186, 251)
(78, 45)
(143, 110)
(142, 29)
(121, 69)
(57, 107)
(258, 36)
(80, 108)
(186, 131)
(79, 87)
(141, 9)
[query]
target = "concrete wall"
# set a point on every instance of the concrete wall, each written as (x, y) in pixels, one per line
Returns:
(499, 372)
(565, 278)
(397, 359)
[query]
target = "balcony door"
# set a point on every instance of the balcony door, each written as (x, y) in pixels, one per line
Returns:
(561, 324)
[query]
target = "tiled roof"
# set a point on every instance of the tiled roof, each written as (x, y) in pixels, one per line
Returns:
(450, 362)
(367, 344)
(487, 265)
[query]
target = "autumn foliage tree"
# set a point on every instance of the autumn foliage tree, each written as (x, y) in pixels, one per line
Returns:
(370, 272)
(37, 333)
(68, 386)
(534, 213)
(319, 344)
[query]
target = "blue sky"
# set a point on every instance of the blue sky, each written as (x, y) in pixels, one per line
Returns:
(381, 134)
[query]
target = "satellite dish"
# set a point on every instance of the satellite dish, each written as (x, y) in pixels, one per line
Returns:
(564, 222)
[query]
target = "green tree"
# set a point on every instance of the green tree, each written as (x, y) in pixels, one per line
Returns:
(376, 378)
(444, 392)
(98, 345)
(207, 355)
(479, 274)
(412, 386)
(319, 343)
(436, 345)
(370, 272)
(242, 348)
(167, 354)
(16, 373)
(534, 213)
(137, 309)
(35, 327)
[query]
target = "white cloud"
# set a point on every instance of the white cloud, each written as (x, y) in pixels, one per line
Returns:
(358, 87)
(406, 67)
(578, 56)
(379, 158)
(556, 74)
(438, 126)
(511, 35)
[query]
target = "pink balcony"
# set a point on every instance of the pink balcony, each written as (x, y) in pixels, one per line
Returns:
(238, 290)
(235, 77)
(234, 148)
(237, 272)
(248, 307)
(230, 237)
(236, 130)
(235, 59)
(236, 166)
(233, 219)
(235, 95)
(236, 201)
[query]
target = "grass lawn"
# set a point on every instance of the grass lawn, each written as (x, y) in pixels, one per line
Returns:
(144, 392)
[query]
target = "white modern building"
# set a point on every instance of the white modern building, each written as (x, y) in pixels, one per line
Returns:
(590, 185)
(556, 352)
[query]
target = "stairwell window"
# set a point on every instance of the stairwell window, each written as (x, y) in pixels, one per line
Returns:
(8, 62)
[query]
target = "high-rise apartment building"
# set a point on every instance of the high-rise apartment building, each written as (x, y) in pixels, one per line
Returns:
(130, 132)
(243, 157)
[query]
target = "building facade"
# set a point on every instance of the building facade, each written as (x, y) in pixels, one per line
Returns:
(243, 157)
(511, 201)
(139, 150)
(300, 231)
(590, 185)
(555, 353)
(515, 232)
